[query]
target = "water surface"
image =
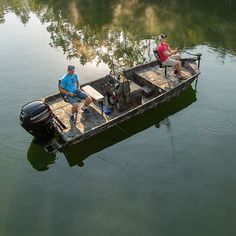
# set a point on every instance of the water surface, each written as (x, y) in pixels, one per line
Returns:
(170, 171)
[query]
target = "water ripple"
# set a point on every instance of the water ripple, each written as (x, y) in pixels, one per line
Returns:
(217, 120)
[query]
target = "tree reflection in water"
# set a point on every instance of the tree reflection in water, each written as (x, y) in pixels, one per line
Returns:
(114, 31)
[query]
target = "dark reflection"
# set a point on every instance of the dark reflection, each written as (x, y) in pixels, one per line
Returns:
(76, 154)
(114, 31)
(38, 158)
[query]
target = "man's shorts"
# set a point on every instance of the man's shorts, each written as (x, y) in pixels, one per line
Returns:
(77, 96)
(170, 61)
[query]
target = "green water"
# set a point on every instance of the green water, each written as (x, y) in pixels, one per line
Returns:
(168, 172)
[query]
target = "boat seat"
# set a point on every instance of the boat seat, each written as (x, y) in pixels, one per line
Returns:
(62, 94)
(94, 94)
(159, 61)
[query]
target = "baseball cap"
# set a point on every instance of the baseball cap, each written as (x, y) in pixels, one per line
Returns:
(70, 68)
(162, 36)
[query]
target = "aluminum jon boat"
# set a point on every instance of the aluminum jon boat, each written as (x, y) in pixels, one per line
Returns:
(116, 98)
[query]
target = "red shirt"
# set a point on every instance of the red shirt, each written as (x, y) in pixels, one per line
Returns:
(162, 47)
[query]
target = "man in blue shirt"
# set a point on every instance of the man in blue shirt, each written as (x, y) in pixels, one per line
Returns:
(70, 87)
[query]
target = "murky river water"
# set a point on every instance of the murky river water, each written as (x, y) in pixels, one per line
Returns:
(168, 172)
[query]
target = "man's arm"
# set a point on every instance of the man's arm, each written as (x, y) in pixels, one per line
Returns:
(169, 49)
(169, 52)
(65, 91)
(78, 85)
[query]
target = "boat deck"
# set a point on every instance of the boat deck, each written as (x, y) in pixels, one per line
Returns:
(86, 123)
(156, 76)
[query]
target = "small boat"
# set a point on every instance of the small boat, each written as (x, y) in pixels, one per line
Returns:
(116, 98)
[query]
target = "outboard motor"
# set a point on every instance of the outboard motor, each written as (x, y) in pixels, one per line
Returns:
(37, 119)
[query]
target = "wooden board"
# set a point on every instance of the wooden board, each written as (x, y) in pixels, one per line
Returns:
(93, 93)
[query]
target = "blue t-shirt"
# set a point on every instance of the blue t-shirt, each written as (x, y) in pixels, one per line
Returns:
(68, 82)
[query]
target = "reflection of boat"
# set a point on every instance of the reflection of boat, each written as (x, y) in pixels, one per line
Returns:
(141, 88)
(76, 154)
(37, 156)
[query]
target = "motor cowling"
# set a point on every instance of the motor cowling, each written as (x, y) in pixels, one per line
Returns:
(37, 118)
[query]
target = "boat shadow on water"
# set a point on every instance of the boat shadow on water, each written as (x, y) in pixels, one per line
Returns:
(76, 154)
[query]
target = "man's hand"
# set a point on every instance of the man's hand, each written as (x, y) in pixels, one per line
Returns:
(175, 51)
(71, 94)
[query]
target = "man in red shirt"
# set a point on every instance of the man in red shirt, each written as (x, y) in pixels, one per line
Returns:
(167, 56)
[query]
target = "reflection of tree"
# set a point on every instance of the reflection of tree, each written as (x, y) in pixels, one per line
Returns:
(103, 42)
(111, 46)
(111, 31)
(20, 8)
